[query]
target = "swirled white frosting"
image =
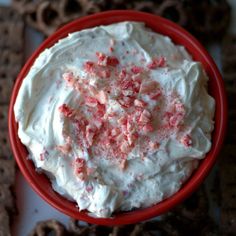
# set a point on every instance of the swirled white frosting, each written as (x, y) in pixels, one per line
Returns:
(105, 142)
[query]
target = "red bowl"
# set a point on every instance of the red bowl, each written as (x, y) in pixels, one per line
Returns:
(41, 184)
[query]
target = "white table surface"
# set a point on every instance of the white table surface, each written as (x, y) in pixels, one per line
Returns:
(31, 207)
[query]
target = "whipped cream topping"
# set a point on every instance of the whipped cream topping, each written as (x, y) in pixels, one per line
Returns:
(117, 116)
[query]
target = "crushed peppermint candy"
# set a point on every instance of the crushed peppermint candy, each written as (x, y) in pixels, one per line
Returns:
(113, 135)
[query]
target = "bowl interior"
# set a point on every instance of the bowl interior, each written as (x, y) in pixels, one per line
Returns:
(41, 183)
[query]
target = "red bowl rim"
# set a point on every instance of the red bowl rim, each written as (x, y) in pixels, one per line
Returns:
(173, 31)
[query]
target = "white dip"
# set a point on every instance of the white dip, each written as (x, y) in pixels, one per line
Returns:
(118, 117)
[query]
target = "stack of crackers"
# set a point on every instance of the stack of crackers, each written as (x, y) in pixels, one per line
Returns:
(207, 19)
(11, 57)
(228, 154)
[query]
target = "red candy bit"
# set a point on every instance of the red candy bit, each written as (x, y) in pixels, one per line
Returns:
(176, 119)
(90, 133)
(101, 97)
(69, 78)
(115, 132)
(125, 147)
(89, 189)
(101, 58)
(66, 110)
(140, 103)
(131, 138)
(112, 61)
(123, 164)
(104, 60)
(186, 140)
(104, 73)
(89, 66)
(101, 110)
(154, 145)
(80, 168)
(148, 128)
(149, 87)
(97, 121)
(157, 62)
(125, 84)
(65, 149)
(156, 95)
(145, 117)
(126, 101)
(136, 69)
(111, 49)
(122, 75)
(90, 101)
(122, 120)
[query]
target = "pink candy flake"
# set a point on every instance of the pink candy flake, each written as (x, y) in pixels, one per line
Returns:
(154, 145)
(90, 133)
(145, 117)
(186, 140)
(115, 132)
(104, 73)
(80, 168)
(89, 66)
(91, 101)
(140, 103)
(148, 128)
(136, 69)
(104, 60)
(65, 149)
(123, 164)
(123, 73)
(155, 95)
(124, 147)
(102, 97)
(149, 87)
(66, 110)
(157, 62)
(69, 78)
(126, 101)
(131, 138)
(89, 189)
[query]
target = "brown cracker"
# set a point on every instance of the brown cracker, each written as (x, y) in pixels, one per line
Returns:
(228, 222)
(7, 172)
(4, 222)
(5, 150)
(10, 57)
(229, 62)
(6, 198)
(6, 86)
(3, 116)
(55, 227)
(228, 196)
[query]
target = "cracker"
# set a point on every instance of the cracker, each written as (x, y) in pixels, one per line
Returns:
(53, 226)
(5, 90)
(228, 197)
(229, 63)
(7, 172)
(6, 198)
(208, 20)
(11, 29)
(5, 150)
(3, 117)
(4, 222)
(228, 222)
